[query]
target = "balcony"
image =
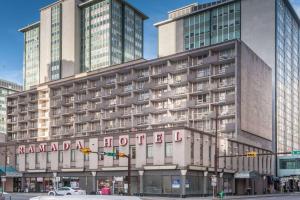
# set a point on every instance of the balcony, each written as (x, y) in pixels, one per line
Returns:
(164, 120)
(68, 111)
(145, 86)
(227, 71)
(195, 77)
(68, 91)
(126, 78)
(157, 85)
(181, 81)
(82, 119)
(181, 105)
(197, 103)
(111, 115)
(32, 108)
(56, 103)
(163, 71)
(126, 101)
(163, 95)
(81, 98)
(201, 89)
(229, 98)
(203, 115)
(94, 129)
(175, 69)
(227, 113)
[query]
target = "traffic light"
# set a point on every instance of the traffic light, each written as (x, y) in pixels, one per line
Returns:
(251, 154)
(86, 150)
(122, 155)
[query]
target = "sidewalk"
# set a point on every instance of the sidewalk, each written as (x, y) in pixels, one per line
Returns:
(226, 197)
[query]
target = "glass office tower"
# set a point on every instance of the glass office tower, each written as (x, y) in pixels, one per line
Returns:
(31, 57)
(287, 78)
(112, 33)
(212, 26)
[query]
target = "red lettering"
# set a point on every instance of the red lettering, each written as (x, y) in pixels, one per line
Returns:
(31, 149)
(66, 146)
(158, 138)
(79, 145)
(54, 147)
(178, 138)
(123, 141)
(42, 147)
(140, 139)
(21, 149)
(107, 142)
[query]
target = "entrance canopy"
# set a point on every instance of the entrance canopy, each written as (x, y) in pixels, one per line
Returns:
(10, 172)
(246, 174)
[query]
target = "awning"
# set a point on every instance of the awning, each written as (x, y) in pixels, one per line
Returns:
(246, 174)
(10, 171)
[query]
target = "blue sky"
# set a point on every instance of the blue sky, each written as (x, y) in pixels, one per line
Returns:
(17, 14)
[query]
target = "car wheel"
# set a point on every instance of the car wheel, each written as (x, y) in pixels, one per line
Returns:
(51, 194)
(68, 194)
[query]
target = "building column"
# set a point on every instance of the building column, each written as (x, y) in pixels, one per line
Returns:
(94, 189)
(221, 182)
(205, 182)
(141, 175)
(183, 182)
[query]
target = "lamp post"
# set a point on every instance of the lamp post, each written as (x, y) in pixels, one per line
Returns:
(216, 152)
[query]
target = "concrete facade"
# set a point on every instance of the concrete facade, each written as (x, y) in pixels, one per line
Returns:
(162, 111)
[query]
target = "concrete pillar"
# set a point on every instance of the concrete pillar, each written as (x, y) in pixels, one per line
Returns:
(205, 182)
(183, 182)
(141, 175)
(94, 189)
(221, 182)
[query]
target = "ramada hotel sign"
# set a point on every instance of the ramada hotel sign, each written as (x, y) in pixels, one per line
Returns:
(158, 138)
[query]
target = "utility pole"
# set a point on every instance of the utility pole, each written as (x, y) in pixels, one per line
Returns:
(129, 173)
(216, 151)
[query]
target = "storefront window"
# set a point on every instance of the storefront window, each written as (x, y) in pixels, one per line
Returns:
(153, 184)
(48, 157)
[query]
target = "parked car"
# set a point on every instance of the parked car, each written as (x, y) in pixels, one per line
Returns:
(66, 191)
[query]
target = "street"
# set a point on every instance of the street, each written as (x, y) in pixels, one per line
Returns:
(294, 196)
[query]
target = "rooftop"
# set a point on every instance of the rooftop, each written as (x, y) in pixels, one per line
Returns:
(10, 85)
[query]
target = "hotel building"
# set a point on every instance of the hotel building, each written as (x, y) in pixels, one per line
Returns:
(270, 28)
(162, 111)
(75, 36)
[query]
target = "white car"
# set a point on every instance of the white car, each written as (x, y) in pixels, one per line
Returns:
(66, 191)
(86, 197)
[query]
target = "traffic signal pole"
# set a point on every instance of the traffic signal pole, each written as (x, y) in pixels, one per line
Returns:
(129, 174)
(216, 154)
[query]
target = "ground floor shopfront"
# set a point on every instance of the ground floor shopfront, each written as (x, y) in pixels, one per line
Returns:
(143, 182)
(146, 182)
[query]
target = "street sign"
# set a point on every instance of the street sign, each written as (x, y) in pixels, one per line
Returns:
(251, 154)
(110, 154)
(296, 152)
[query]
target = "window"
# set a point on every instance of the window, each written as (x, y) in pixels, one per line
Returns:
(48, 157)
(73, 155)
(149, 151)
(37, 158)
(169, 149)
(60, 156)
(133, 152)
(26, 159)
